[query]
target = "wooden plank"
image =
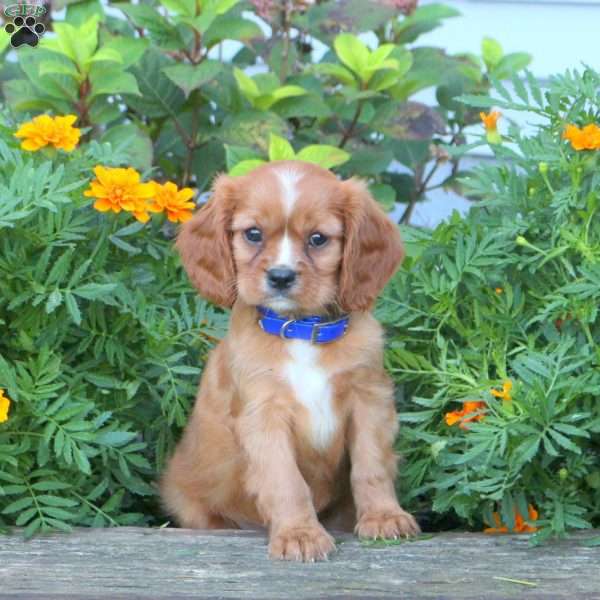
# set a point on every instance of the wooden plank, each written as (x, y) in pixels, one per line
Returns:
(134, 563)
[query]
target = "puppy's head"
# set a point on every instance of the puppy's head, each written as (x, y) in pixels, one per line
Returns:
(292, 237)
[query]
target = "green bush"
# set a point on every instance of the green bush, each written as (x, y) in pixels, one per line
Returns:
(509, 293)
(104, 339)
(153, 81)
(100, 351)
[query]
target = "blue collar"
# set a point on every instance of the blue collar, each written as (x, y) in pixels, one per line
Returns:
(315, 329)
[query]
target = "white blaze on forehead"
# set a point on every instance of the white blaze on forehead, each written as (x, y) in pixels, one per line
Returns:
(285, 257)
(288, 180)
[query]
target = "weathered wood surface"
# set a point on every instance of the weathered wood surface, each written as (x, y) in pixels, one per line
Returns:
(131, 563)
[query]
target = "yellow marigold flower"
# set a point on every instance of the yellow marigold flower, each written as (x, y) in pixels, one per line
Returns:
(176, 203)
(120, 189)
(498, 290)
(460, 416)
(490, 122)
(587, 138)
(520, 525)
(505, 393)
(49, 131)
(4, 406)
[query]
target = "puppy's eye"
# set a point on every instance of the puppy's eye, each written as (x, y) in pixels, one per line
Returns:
(317, 239)
(253, 235)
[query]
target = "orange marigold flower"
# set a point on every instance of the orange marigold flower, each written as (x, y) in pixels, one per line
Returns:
(176, 203)
(460, 416)
(521, 526)
(505, 393)
(587, 138)
(4, 407)
(490, 122)
(49, 131)
(499, 290)
(120, 189)
(490, 119)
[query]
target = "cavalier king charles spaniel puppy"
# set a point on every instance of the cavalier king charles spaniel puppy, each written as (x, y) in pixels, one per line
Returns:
(294, 422)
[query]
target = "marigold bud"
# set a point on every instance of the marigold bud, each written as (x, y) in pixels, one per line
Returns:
(543, 167)
(563, 474)
(521, 241)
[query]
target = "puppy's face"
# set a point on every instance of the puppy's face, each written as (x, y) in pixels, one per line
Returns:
(287, 238)
(292, 237)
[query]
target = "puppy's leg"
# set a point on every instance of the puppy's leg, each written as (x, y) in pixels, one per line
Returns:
(283, 498)
(373, 429)
(180, 493)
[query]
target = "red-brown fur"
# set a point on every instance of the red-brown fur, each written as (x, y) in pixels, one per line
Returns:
(246, 455)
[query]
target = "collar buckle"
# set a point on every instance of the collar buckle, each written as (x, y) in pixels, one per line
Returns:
(284, 328)
(315, 332)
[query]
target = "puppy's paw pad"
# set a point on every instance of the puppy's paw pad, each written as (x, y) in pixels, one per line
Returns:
(306, 544)
(386, 524)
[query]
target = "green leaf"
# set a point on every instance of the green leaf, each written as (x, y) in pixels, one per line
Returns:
(104, 80)
(246, 84)
(384, 194)
(181, 7)
(492, 52)
(51, 500)
(510, 64)
(161, 31)
(231, 28)
(323, 155)
(129, 49)
(54, 301)
(265, 101)
(245, 167)
(237, 154)
(115, 438)
(190, 77)
(49, 67)
(338, 71)
(18, 505)
(106, 54)
(50, 486)
(78, 43)
(352, 52)
(159, 96)
(134, 141)
(211, 9)
(93, 291)
(73, 308)
(280, 148)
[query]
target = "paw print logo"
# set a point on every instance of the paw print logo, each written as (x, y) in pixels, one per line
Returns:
(24, 31)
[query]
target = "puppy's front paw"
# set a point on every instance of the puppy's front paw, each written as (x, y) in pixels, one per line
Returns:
(307, 543)
(386, 524)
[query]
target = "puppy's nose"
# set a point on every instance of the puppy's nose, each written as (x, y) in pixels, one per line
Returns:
(281, 278)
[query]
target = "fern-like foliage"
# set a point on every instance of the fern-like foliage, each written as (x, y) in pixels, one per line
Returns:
(100, 349)
(509, 293)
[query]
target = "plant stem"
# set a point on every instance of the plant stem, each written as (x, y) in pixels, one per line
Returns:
(348, 133)
(285, 21)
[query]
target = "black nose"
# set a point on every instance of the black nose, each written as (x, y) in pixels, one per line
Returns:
(281, 278)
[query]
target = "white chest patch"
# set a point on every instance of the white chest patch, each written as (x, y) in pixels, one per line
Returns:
(312, 389)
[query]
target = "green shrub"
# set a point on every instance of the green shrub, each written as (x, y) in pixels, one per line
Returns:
(509, 293)
(153, 80)
(100, 351)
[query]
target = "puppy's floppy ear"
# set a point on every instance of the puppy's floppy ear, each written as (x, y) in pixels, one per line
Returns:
(205, 247)
(373, 249)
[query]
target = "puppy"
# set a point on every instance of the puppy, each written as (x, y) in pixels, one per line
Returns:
(294, 422)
